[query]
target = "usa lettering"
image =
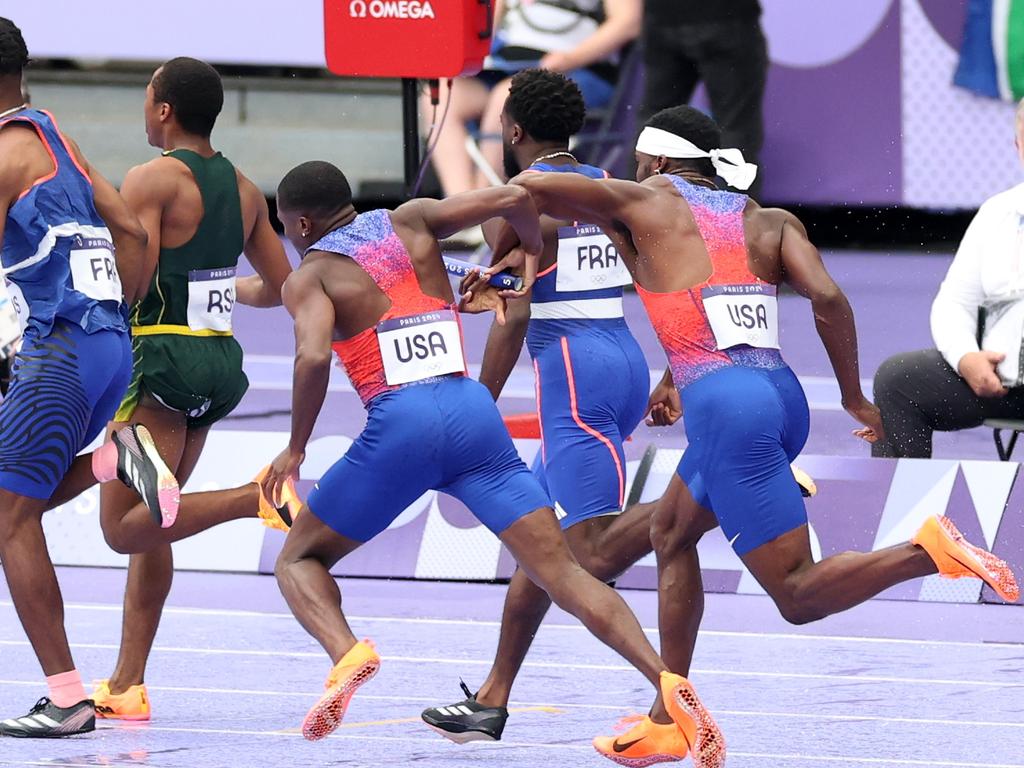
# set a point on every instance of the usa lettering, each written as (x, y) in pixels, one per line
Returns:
(596, 256)
(221, 300)
(420, 347)
(748, 317)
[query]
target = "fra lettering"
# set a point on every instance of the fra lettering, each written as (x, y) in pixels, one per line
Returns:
(102, 266)
(421, 347)
(222, 301)
(597, 256)
(746, 316)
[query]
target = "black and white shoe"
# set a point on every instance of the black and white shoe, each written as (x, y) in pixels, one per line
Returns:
(140, 466)
(48, 721)
(467, 720)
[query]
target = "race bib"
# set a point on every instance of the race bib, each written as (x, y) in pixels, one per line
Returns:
(743, 314)
(588, 261)
(420, 347)
(93, 269)
(211, 297)
(16, 305)
(10, 323)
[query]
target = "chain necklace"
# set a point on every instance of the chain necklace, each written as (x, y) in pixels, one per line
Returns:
(695, 179)
(12, 110)
(542, 158)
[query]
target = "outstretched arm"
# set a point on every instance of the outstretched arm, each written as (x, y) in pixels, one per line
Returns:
(803, 269)
(604, 202)
(313, 310)
(443, 218)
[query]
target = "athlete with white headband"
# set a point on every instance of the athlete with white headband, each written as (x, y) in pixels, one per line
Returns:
(707, 263)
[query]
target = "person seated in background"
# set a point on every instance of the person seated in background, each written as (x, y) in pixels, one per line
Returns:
(579, 38)
(976, 370)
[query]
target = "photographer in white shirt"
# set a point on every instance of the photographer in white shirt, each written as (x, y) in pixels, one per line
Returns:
(976, 371)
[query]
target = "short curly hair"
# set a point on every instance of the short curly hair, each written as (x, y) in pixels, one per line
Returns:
(194, 90)
(547, 104)
(13, 51)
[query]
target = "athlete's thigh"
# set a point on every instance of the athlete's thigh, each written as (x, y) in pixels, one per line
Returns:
(537, 544)
(580, 384)
(681, 517)
(393, 461)
(481, 466)
(774, 561)
(45, 415)
(195, 441)
(753, 492)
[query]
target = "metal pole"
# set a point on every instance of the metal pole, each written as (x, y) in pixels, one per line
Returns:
(410, 133)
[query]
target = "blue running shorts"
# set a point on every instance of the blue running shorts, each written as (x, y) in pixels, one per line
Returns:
(592, 392)
(65, 387)
(445, 435)
(745, 426)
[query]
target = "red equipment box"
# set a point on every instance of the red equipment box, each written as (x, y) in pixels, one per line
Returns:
(421, 39)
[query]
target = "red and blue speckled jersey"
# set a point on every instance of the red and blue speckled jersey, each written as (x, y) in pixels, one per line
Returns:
(371, 241)
(680, 318)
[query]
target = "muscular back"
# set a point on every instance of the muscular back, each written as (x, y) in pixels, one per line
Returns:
(183, 204)
(359, 303)
(662, 244)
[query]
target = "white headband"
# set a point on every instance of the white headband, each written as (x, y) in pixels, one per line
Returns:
(728, 163)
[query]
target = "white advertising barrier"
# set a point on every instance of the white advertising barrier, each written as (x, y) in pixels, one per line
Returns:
(231, 458)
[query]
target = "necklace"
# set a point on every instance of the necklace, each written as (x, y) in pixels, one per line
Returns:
(694, 179)
(12, 110)
(570, 155)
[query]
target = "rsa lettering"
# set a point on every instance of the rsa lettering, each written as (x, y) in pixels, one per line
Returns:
(220, 300)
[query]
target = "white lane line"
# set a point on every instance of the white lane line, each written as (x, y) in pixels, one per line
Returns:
(534, 745)
(560, 627)
(556, 665)
(719, 713)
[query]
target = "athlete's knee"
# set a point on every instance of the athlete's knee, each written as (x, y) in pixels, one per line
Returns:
(116, 540)
(795, 604)
(672, 534)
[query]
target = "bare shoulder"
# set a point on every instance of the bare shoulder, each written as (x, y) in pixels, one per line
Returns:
(158, 176)
(251, 196)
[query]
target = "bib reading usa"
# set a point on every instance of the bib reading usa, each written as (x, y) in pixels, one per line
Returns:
(743, 315)
(420, 347)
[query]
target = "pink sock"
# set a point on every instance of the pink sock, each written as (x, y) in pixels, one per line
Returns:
(104, 462)
(66, 689)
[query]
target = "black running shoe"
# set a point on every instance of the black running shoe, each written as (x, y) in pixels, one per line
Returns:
(467, 720)
(48, 721)
(140, 466)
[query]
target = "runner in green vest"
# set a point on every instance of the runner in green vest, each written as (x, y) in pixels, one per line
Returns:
(201, 214)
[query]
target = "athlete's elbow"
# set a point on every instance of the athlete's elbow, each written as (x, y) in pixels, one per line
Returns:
(312, 358)
(514, 197)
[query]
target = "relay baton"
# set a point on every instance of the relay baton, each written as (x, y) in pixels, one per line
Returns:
(503, 280)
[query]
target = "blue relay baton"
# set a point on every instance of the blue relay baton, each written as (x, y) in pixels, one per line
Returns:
(506, 281)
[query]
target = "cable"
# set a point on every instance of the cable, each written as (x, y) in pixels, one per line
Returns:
(435, 129)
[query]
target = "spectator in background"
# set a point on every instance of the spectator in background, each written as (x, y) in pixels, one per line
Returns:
(718, 43)
(975, 371)
(579, 38)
